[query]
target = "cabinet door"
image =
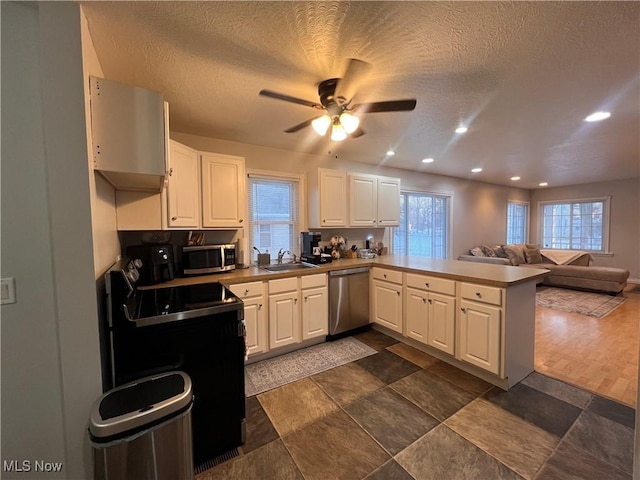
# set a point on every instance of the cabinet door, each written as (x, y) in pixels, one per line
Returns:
(315, 312)
(442, 315)
(480, 335)
(388, 202)
(223, 191)
(416, 314)
(256, 325)
(333, 198)
(387, 305)
(283, 319)
(363, 200)
(183, 195)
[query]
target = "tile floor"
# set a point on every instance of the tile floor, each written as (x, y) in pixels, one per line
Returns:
(401, 414)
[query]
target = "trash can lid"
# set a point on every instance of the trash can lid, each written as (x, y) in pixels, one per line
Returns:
(140, 403)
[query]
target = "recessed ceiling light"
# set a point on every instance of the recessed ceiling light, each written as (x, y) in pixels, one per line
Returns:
(597, 116)
(390, 153)
(461, 129)
(515, 179)
(476, 170)
(543, 184)
(427, 160)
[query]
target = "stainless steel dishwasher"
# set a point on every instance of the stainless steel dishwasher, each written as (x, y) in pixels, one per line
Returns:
(348, 301)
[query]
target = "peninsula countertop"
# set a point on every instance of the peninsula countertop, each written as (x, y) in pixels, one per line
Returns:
(487, 274)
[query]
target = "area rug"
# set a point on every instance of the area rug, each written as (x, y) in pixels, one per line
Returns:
(275, 372)
(595, 305)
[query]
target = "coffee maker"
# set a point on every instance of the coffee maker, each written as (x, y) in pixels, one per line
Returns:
(157, 263)
(311, 250)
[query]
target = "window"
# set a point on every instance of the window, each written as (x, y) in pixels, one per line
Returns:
(274, 213)
(424, 225)
(576, 224)
(517, 222)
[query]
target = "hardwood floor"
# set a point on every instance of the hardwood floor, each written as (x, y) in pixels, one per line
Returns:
(599, 355)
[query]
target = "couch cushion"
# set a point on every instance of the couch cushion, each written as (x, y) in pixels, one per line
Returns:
(514, 254)
(595, 273)
(532, 255)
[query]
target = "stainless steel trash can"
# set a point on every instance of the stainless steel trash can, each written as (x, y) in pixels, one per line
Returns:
(142, 430)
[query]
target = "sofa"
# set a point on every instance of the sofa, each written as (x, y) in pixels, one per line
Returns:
(567, 268)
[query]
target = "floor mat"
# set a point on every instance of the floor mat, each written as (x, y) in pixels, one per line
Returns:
(595, 305)
(278, 371)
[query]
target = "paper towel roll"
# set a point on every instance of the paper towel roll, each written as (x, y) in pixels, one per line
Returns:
(243, 257)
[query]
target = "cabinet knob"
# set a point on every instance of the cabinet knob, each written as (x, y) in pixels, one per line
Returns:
(246, 292)
(398, 293)
(259, 306)
(295, 300)
(373, 221)
(478, 294)
(173, 219)
(305, 298)
(384, 275)
(424, 300)
(427, 285)
(463, 310)
(240, 220)
(171, 172)
(430, 301)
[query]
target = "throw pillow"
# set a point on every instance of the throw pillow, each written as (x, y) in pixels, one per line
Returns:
(500, 251)
(488, 251)
(533, 255)
(476, 252)
(513, 255)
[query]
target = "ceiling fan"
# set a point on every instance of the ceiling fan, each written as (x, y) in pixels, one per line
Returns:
(336, 95)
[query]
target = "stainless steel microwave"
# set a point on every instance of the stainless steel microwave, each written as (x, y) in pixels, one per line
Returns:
(204, 259)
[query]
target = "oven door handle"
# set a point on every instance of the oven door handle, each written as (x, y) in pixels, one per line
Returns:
(179, 316)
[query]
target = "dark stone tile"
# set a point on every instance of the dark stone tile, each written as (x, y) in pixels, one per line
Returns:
(388, 366)
(442, 453)
(375, 339)
(260, 431)
(347, 383)
(334, 447)
(412, 354)
(270, 461)
(547, 412)
(389, 471)
(558, 389)
(613, 411)
(433, 394)
(604, 439)
(571, 463)
(458, 377)
(391, 419)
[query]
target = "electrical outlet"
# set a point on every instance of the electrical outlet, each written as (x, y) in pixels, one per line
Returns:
(7, 291)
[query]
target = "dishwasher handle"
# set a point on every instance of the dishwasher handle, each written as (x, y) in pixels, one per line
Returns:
(348, 271)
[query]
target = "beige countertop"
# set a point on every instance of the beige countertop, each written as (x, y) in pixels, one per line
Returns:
(488, 274)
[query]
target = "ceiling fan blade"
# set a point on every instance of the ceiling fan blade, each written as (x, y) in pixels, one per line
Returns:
(357, 72)
(287, 98)
(390, 106)
(300, 126)
(358, 133)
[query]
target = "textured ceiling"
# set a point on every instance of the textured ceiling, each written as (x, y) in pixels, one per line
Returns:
(521, 75)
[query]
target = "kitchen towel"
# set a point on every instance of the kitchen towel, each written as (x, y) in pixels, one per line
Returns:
(243, 258)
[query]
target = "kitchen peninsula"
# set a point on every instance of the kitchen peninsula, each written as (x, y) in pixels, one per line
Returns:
(477, 317)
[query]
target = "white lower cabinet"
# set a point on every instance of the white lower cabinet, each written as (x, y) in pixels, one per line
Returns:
(255, 315)
(480, 326)
(386, 297)
(442, 319)
(315, 306)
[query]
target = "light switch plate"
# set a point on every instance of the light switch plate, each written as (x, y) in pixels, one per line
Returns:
(7, 291)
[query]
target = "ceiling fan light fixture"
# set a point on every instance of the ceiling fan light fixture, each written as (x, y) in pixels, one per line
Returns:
(349, 122)
(321, 124)
(337, 132)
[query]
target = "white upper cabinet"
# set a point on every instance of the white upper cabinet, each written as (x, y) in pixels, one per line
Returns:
(388, 202)
(332, 185)
(223, 191)
(363, 200)
(183, 194)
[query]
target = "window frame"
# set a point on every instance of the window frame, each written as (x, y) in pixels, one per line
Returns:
(449, 198)
(300, 178)
(527, 221)
(606, 219)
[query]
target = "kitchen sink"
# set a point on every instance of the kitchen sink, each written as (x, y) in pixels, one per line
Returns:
(286, 267)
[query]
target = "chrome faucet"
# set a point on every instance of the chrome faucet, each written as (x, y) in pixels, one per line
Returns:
(294, 256)
(281, 253)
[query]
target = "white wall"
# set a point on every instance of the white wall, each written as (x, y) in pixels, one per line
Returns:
(50, 351)
(624, 231)
(479, 209)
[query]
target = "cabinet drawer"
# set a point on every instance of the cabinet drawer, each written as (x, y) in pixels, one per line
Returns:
(481, 293)
(283, 285)
(310, 281)
(246, 290)
(433, 284)
(387, 275)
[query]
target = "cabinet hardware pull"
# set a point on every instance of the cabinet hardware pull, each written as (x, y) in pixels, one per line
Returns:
(173, 219)
(171, 172)
(305, 298)
(479, 294)
(246, 292)
(295, 300)
(398, 293)
(324, 221)
(430, 301)
(384, 275)
(240, 220)
(427, 285)
(424, 300)
(463, 310)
